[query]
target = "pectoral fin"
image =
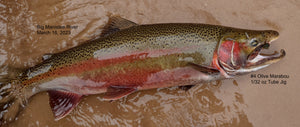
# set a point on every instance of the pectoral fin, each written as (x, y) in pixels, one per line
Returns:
(117, 92)
(62, 102)
(116, 23)
(205, 69)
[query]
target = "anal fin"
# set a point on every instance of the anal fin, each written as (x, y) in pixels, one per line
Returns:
(62, 102)
(204, 69)
(117, 92)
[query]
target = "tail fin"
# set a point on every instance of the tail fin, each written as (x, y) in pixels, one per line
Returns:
(11, 101)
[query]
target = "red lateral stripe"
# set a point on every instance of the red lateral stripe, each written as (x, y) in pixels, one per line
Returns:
(131, 77)
(93, 63)
(87, 65)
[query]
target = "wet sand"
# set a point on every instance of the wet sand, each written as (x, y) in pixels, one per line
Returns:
(236, 102)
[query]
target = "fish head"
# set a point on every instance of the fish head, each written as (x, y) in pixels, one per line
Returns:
(239, 51)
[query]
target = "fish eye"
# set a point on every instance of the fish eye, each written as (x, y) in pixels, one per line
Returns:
(254, 43)
(266, 46)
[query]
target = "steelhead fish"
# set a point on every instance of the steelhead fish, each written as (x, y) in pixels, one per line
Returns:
(130, 57)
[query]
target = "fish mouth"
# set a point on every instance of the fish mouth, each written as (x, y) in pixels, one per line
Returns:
(245, 62)
(257, 59)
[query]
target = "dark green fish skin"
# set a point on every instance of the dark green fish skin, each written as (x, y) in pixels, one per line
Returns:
(204, 39)
(139, 38)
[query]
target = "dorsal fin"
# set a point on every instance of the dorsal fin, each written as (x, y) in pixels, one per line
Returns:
(116, 23)
(62, 102)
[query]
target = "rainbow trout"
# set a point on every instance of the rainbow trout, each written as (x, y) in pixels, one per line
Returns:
(130, 57)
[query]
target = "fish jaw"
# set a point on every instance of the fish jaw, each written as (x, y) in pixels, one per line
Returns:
(265, 60)
(259, 62)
